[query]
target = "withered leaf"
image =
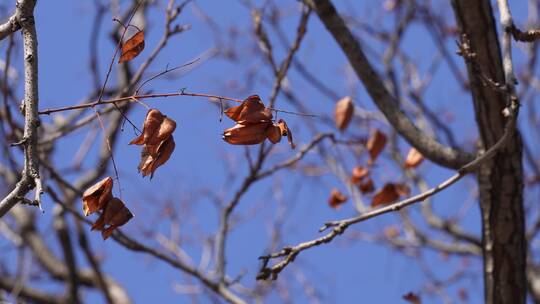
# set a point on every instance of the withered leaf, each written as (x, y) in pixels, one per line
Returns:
(251, 134)
(251, 111)
(414, 159)
(285, 131)
(358, 174)
(366, 186)
(97, 196)
(412, 298)
(343, 112)
(336, 198)
(132, 47)
(153, 156)
(375, 145)
(114, 215)
(389, 193)
(274, 134)
(156, 128)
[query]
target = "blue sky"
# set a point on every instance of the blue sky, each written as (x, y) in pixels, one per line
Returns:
(348, 270)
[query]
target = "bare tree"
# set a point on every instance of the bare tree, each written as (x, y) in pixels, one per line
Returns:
(475, 42)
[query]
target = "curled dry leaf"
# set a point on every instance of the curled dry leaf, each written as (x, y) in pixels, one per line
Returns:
(358, 174)
(157, 141)
(156, 128)
(343, 112)
(285, 131)
(375, 145)
(251, 134)
(96, 197)
(412, 298)
(114, 215)
(389, 193)
(132, 47)
(153, 156)
(366, 186)
(336, 198)
(251, 111)
(414, 159)
(274, 134)
(254, 124)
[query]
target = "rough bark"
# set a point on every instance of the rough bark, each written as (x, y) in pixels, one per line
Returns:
(500, 180)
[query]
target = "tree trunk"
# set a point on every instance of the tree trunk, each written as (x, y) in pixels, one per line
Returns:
(500, 179)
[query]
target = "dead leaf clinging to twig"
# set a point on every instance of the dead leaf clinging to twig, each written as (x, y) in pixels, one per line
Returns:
(97, 196)
(343, 112)
(132, 47)
(336, 198)
(254, 124)
(285, 131)
(250, 134)
(414, 159)
(389, 193)
(114, 215)
(251, 111)
(375, 145)
(157, 141)
(358, 174)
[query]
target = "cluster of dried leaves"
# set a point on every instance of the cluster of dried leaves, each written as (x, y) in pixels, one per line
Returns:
(157, 141)
(360, 176)
(114, 213)
(254, 124)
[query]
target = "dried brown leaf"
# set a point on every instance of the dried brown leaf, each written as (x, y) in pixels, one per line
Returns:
(390, 193)
(336, 198)
(97, 196)
(114, 215)
(358, 174)
(366, 186)
(251, 111)
(384, 196)
(152, 157)
(414, 159)
(343, 112)
(412, 298)
(132, 47)
(251, 134)
(375, 145)
(285, 131)
(274, 134)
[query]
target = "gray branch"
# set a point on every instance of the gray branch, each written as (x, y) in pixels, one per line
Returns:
(24, 17)
(428, 146)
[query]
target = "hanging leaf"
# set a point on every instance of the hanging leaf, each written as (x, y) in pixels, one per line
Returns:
(390, 193)
(156, 128)
(97, 196)
(336, 198)
(132, 47)
(157, 141)
(412, 298)
(114, 215)
(285, 131)
(251, 111)
(366, 186)
(274, 134)
(153, 156)
(358, 174)
(414, 159)
(251, 134)
(375, 145)
(343, 112)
